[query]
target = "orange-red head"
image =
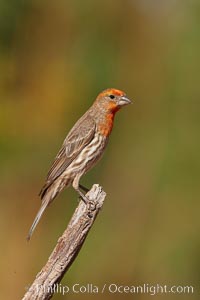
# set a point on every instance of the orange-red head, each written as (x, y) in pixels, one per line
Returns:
(111, 100)
(104, 108)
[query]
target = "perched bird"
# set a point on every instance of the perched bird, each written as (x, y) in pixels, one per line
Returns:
(82, 148)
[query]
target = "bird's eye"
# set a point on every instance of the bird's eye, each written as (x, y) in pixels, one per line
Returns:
(112, 97)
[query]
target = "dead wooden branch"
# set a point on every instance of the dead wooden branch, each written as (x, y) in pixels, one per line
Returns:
(68, 246)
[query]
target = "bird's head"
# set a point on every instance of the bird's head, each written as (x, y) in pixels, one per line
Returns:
(112, 100)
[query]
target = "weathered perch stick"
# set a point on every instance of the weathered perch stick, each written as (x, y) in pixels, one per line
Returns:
(68, 246)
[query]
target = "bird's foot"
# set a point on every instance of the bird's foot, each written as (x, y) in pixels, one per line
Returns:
(83, 197)
(83, 188)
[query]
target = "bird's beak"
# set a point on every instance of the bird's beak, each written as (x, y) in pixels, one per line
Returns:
(124, 101)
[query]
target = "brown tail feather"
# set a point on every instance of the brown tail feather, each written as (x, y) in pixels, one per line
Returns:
(44, 205)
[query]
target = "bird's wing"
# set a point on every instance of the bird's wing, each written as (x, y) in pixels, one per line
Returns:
(79, 136)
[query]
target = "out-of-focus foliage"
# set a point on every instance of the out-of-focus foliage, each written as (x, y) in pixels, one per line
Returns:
(55, 57)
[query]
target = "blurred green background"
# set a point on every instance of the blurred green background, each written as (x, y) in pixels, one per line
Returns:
(55, 57)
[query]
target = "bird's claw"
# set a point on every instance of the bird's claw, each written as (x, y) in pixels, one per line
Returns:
(84, 199)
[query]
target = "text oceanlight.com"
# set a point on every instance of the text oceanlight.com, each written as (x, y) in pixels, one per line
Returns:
(114, 288)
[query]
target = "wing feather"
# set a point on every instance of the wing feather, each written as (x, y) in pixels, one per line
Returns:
(79, 136)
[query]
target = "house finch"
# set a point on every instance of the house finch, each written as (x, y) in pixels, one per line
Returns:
(82, 148)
